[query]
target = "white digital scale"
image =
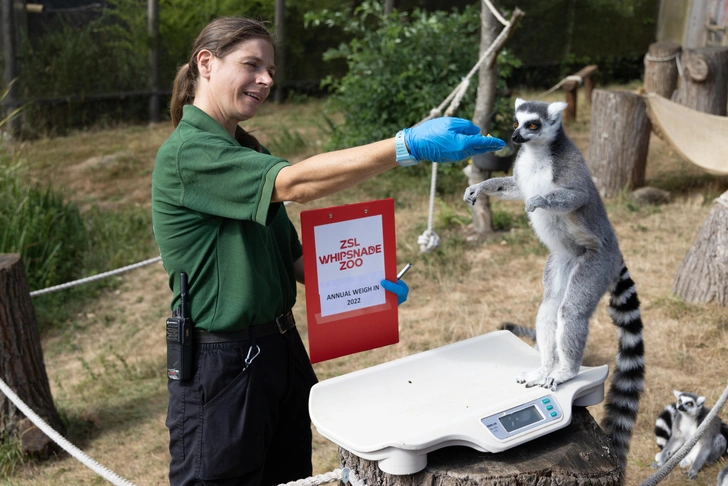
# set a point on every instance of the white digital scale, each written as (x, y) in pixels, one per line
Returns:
(462, 394)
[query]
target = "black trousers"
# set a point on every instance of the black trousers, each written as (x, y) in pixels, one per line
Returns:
(232, 425)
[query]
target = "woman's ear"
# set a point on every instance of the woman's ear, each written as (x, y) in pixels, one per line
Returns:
(204, 63)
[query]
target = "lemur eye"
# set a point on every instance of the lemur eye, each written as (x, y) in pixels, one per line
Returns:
(515, 124)
(532, 126)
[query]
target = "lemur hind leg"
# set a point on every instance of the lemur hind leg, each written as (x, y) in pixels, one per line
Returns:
(708, 454)
(554, 280)
(588, 281)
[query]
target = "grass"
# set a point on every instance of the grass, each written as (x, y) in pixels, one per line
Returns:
(105, 356)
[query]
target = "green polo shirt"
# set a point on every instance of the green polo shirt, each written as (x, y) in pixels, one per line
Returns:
(213, 220)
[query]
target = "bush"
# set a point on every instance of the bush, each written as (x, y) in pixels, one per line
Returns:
(47, 232)
(400, 67)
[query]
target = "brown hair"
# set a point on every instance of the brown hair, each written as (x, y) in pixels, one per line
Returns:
(220, 37)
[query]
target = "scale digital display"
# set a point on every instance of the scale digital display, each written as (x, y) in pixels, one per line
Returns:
(523, 418)
(520, 419)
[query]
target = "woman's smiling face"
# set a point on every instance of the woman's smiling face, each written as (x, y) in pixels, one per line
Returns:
(241, 81)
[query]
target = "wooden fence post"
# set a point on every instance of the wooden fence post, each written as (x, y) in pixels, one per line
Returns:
(583, 76)
(661, 68)
(618, 141)
(21, 362)
(704, 83)
(577, 454)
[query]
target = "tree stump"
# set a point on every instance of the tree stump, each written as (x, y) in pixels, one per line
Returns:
(661, 68)
(618, 141)
(578, 454)
(702, 276)
(21, 362)
(704, 83)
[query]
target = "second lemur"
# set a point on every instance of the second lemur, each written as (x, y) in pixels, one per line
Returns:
(677, 424)
(584, 263)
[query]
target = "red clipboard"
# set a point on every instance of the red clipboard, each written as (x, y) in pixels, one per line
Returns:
(347, 310)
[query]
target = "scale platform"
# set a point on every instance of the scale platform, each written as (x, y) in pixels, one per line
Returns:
(461, 394)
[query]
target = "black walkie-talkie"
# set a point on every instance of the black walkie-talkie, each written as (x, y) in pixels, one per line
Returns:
(179, 337)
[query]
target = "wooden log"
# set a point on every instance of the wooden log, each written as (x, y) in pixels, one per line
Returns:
(21, 361)
(704, 83)
(579, 454)
(661, 68)
(618, 141)
(702, 276)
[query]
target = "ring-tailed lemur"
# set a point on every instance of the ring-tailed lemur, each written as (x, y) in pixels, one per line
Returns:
(723, 477)
(676, 425)
(585, 262)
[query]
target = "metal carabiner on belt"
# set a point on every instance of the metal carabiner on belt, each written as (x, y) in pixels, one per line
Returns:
(249, 359)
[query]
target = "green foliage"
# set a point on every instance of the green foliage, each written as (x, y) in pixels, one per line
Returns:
(47, 232)
(399, 67)
(11, 456)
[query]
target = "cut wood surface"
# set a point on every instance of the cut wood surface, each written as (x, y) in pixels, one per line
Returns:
(578, 454)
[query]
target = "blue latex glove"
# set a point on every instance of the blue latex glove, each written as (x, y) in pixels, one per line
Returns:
(448, 139)
(399, 289)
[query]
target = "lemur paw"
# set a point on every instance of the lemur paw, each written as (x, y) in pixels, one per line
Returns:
(471, 193)
(549, 383)
(532, 378)
(686, 463)
(692, 474)
(534, 203)
(655, 465)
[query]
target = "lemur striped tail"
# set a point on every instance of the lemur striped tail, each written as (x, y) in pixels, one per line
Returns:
(628, 377)
(663, 425)
(724, 431)
(519, 330)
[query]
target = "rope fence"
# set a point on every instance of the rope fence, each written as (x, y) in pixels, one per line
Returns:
(68, 285)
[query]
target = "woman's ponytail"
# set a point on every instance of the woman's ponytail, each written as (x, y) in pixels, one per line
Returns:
(183, 92)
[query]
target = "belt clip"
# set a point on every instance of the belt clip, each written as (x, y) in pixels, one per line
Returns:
(249, 359)
(282, 321)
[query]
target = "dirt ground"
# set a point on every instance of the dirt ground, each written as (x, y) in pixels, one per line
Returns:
(113, 390)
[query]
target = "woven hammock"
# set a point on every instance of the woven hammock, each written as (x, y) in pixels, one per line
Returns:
(700, 138)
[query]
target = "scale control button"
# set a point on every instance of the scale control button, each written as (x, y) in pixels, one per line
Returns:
(550, 407)
(545, 400)
(554, 414)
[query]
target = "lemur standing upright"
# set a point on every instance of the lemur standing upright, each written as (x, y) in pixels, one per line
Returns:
(678, 422)
(585, 262)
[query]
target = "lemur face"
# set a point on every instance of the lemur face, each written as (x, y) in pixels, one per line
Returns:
(689, 403)
(536, 121)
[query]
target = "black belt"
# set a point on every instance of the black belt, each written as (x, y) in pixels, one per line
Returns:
(279, 325)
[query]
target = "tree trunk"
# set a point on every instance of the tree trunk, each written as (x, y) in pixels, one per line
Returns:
(702, 276)
(280, 20)
(661, 68)
(21, 361)
(575, 455)
(704, 83)
(618, 141)
(484, 102)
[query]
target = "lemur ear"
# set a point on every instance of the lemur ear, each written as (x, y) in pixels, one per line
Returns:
(556, 108)
(519, 102)
(677, 393)
(700, 401)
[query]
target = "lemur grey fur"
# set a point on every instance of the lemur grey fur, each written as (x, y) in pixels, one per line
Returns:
(723, 477)
(585, 262)
(679, 422)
